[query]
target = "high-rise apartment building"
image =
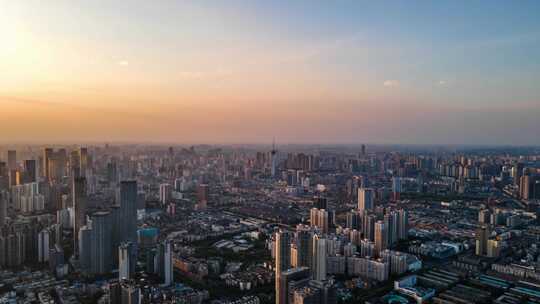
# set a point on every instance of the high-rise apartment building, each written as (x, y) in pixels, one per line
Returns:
(381, 237)
(304, 251)
(164, 262)
(366, 199)
(319, 218)
(127, 259)
(482, 235)
(285, 278)
(165, 191)
(319, 258)
(403, 224)
(368, 229)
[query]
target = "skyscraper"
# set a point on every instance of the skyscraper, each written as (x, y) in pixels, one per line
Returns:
(95, 244)
(285, 278)
(517, 173)
(112, 172)
(83, 158)
(74, 164)
(319, 258)
(128, 211)
(525, 187)
(367, 248)
(391, 220)
(165, 193)
(78, 194)
(84, 238)
(4, 176)
(44, 245)
(366, 197)
(56, 166)
(30, 171)
(368, 221)
(273, 160)
(3, 208)
(482, 234)
(47, 154)
(12, 159)
(282, 251)
(127, 259)
(304, 247)
(403, 224)
(319, 218)
(493, 248)
(164, 263)
(381, 237)
(396, 188)
(282, 254)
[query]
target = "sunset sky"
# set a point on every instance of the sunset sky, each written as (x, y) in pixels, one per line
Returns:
(418, 72)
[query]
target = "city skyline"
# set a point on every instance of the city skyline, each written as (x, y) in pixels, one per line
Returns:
(269, 152)
(246, 71)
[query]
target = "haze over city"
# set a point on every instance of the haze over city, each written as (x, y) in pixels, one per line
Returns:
(269, 152)
(407, 72)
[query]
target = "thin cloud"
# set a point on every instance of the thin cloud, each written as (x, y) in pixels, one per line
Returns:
(391, 83)
(216, 74)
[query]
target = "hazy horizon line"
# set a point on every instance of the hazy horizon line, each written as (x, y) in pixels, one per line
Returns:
(253, 143)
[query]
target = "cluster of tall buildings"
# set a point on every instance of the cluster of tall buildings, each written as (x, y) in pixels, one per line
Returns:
(104, 236)
(486, 245)
(28, 240)
(102, 232)
(307, 279)
(384, 229)
(304, 259)
(33, 187)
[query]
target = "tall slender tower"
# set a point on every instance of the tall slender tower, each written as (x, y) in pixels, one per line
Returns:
(403, 230)
(283, 251)
(163, 261)
(12, 159)
(381, 237)
(3, 209)
(282, 255)
(79, 207)
(304, 247)
(273, 155)
(83, 157)
(319, 258)
(128, 211)
(127, 259)
(47, 154)
(482, 234)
